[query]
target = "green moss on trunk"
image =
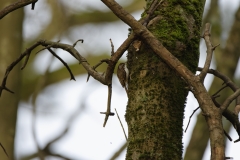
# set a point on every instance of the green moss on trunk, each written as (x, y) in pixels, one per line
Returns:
(157, 95)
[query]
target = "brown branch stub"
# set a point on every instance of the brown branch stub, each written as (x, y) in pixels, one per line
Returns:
(79, 40)
(15, 6)
(112, 46)
(33, 5)
(237, 140)
(108, 112)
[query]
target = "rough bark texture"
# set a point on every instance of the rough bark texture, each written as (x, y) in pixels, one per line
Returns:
(157, 95)
(10, 48)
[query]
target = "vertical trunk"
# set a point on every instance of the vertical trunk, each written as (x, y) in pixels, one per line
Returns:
(157, 95)
(10, 49)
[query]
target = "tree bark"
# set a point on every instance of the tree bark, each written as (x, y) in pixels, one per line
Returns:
(10, 49)
(157, 94)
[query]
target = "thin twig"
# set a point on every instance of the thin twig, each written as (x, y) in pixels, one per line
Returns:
(70, 49)
(11, 66)
(228, 82)
(215, 94)
(232, 97)
(80, 40)
(121, 124)
(227, 135)
(64, 63)
(225, 79)
(97, 65)
(191, 117)
(4, 149)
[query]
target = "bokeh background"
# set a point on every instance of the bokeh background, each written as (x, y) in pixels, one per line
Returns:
(64, 115)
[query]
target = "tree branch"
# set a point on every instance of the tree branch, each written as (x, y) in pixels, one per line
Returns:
(48, 45)
(11, 66)
(210, 50)
(64, 63)
(213, 114)
(15, 6)
(108, 112)
(227, 102)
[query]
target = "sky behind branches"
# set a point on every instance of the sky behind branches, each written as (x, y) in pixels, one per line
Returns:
(87, 139)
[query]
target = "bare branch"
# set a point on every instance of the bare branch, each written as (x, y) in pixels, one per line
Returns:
(97, 65)
(108, 112)
(64, 63)
(216, 94)
(225, 79)
(48, 45)
(227, 102)
(229, 83)
(11, 66)
(199, 90)
(210, 50)
(75, 53)
(190, 118)
(14, 6)
(152, 41)
(227, 135)
(230, 116)
(4, 149)
(80, 40)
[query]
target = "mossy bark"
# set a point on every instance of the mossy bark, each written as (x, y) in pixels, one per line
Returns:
(157, 94)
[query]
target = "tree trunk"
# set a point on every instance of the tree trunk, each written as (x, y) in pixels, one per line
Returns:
(10, 49)
(157, 94)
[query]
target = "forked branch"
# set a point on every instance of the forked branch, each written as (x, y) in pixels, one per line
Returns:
(210, 50)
